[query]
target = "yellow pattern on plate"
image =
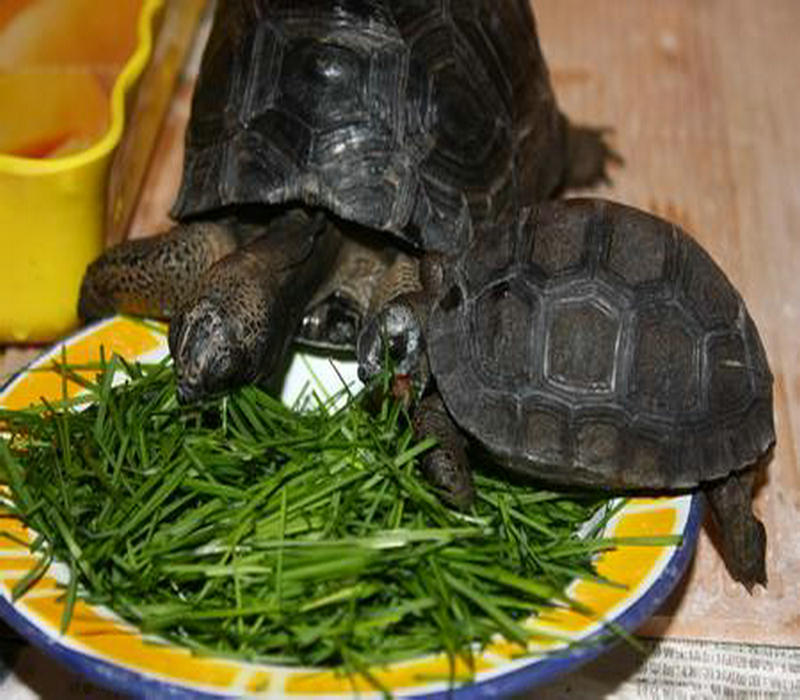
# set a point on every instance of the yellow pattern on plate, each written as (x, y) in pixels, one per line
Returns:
(120, 335)
(408, 675)
(626, 566)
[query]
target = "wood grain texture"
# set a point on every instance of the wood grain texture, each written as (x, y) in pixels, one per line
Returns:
(704, 98)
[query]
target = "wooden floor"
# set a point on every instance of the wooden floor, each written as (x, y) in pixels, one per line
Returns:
(704, 98)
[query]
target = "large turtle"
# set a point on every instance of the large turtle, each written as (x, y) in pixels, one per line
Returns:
(591, 344)
(403, 121)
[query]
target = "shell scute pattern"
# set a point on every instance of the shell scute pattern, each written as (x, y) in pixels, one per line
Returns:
(665, 368)
(544, 428)
(562, 252)
(489, 255)
(730, 381)
(409, 117)
(595, 373)
(716, 306)
(307, 85)
(598, 442)
(504, 358)
(501, 417)
(323, 86)
(582, 338)
(266, 55)
(636, 256)
(412, 16)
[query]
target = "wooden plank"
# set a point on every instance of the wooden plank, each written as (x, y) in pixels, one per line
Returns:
(703, 97)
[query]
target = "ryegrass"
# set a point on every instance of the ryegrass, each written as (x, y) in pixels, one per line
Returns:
(243, 528)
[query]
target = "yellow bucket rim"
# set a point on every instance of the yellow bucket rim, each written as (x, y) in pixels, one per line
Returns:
(19, 165)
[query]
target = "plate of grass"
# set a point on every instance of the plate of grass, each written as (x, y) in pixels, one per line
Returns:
(289, 547)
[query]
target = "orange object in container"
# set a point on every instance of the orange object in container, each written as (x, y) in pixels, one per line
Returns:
(84, 85)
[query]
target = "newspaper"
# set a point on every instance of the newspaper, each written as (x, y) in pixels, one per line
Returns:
(675, 669)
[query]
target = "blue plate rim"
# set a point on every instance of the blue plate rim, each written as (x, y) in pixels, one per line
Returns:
(117, 677)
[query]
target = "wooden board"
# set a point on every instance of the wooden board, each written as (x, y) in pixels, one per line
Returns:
(703, 96)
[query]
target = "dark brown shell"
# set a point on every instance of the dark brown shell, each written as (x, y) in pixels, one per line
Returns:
(403, 115)
(597, 344)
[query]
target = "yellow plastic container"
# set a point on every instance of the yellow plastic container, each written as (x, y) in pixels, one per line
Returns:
(72, 72)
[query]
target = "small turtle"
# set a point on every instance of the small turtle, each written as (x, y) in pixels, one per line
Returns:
(393, 121)
(592, 344)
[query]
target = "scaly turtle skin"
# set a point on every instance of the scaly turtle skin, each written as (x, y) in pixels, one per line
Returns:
(592, 344)
(405, 120)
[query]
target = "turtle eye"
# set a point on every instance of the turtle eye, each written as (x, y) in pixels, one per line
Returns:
(452, 299)
(392, 334)
(398, 347)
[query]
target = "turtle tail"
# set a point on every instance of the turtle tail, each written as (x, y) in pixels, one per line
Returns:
(744, 538)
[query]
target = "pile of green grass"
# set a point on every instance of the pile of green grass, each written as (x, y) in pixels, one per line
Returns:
(244, 528)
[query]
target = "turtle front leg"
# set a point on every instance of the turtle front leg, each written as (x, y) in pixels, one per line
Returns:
(337, 310)
(150, 276)
(446, 465)
(395, 334)
(236, 326)
(364, 278)
(744, 538)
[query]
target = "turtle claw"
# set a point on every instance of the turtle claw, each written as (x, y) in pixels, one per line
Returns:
(446, 466)
(588, 156)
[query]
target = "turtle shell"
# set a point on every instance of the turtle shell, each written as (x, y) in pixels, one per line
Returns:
(596, 344)
(401, 115)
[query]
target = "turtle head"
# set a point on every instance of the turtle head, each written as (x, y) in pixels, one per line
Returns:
(206, 353)
(393, 339)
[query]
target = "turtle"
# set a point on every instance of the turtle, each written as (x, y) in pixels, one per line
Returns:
(591, 344)
(329, 143)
